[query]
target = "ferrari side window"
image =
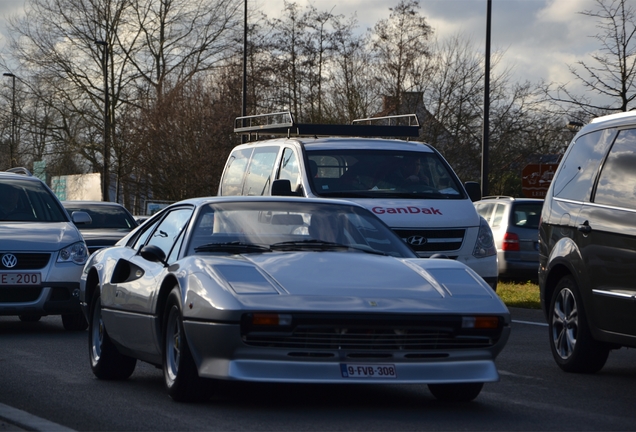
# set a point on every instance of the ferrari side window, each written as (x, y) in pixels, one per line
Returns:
(169, 228)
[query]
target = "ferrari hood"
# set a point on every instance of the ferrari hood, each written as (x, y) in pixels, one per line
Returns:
(352, 281)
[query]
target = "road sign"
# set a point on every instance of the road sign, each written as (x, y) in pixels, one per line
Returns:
(536, 179)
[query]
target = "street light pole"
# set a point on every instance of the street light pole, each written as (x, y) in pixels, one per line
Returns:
(484, 146)
(244, 101)
(12, 147)
(105, 174)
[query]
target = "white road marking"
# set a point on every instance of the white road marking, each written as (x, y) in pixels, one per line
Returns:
(530, 323)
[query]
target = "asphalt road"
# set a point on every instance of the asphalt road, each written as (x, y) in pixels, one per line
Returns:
(46, 384)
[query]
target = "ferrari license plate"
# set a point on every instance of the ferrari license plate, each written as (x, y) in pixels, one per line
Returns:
(368, 370)
(19, 278)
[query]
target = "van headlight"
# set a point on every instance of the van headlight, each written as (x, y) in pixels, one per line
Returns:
(77, 253)
(485, 245)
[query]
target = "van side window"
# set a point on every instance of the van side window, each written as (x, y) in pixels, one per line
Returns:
(289, 169)
(260, 170)
(232, 182)
(580, 166)
(617, 183)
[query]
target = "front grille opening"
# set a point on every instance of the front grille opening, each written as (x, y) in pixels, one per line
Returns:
(369, 356)
(369, 335)
(426, 355)
(19, 294)
(311, 354)
(60, 294)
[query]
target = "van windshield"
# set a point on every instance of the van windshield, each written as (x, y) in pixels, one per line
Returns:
(360, 173)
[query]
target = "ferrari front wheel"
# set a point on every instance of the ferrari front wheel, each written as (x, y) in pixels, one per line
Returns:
(106, 361)
(179, 370)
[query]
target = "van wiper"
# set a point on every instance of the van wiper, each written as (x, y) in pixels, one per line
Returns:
(231, 247)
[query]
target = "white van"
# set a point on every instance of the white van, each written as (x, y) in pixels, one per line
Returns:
(408, 184)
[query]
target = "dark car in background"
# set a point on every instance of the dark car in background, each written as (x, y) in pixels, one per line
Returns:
(515, 227)
(587, 240)
(109, 222)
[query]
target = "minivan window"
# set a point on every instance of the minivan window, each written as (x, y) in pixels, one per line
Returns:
(580, 166)
(617, 182)
(259, 173)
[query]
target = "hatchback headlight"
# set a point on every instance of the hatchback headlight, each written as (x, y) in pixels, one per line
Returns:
(485, 245)
(77, 253)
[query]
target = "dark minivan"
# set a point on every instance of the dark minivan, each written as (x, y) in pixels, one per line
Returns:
(587, 246)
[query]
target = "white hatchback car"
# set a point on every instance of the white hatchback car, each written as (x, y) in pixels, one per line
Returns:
(42, 253)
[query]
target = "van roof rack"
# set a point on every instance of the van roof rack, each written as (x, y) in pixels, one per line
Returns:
(283, 124)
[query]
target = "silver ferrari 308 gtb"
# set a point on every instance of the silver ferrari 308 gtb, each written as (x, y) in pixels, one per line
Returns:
(284, 289)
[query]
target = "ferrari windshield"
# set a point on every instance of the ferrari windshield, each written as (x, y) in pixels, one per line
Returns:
(265, 226)
(364, 173)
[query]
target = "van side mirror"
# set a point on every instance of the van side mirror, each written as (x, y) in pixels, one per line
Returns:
(474, 190)
(282, 187)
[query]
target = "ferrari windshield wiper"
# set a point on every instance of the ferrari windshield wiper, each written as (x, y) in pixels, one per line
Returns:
(234, 246)
(308, 244)
(322, 245)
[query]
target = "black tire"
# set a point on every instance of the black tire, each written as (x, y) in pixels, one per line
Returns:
(29, 317)
(74, 322)
(571, 341)
(179, 370)
(106, 361)
(461, 392)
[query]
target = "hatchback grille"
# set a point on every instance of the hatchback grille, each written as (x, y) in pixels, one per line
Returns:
(27, 261)
(432, 240)
(382, 335)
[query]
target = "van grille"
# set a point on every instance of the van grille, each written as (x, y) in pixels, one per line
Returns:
(432, 240)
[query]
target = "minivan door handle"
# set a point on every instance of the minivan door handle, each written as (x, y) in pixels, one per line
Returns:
(585, 228)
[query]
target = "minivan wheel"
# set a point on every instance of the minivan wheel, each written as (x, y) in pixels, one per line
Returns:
(571, 341)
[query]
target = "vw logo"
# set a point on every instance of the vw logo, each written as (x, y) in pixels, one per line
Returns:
(416, 240)
(9, 260)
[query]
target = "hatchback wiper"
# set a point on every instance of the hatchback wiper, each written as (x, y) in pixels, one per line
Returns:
(234, 246)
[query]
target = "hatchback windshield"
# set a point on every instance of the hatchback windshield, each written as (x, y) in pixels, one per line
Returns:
(375, 174)
(28, 201)
(242, 227)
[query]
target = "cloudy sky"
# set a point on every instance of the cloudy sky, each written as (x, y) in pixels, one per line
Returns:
(539, 37)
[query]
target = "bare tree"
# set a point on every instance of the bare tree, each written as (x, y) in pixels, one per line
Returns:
(354, 90)
(176, 39)
(400, 44)
(611, 72)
